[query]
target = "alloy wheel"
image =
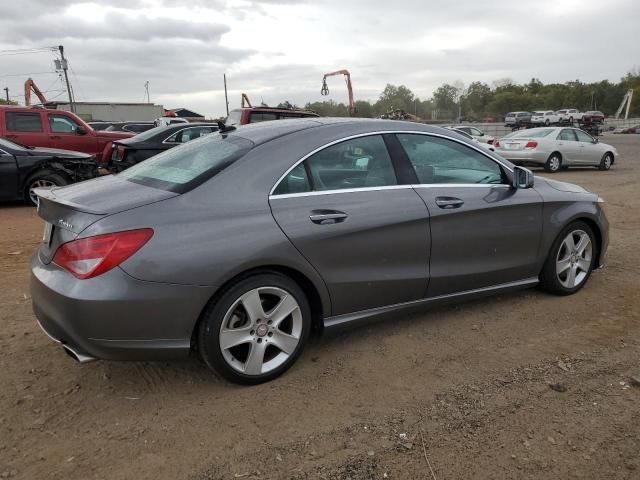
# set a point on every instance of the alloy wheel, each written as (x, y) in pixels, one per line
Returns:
(573, 261)
(607, 162)
(39, 183)
(261, 330)
(554, 163)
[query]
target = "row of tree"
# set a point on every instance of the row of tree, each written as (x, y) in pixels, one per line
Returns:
(480, 101)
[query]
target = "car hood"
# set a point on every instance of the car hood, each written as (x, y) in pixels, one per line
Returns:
(114, 135)
(57, 152)
(563, 186)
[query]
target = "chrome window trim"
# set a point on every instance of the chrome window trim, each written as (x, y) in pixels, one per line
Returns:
(2, 152)
(389, 187)
(379, 132)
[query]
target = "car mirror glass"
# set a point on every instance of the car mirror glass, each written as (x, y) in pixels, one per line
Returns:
(522, 178)
(81, 130)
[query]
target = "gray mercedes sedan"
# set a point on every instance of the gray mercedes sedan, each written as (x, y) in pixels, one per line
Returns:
(239, 244)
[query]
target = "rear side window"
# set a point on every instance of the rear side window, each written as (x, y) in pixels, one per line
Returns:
(23, 122)
(185, 167)
(439, 160)
(188, 134)
(262, 117)
(357, 163)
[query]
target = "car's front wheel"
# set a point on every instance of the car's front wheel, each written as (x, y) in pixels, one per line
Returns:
(41, 179)
(605, 163)
(570, 260)
(256, 330)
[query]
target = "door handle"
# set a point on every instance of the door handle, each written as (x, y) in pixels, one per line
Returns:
(327, 217)
(54, 137)
(449, 202)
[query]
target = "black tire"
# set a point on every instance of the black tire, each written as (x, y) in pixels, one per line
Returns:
(549, 279)
(606, 162)
(547, 122)
(42, 178)
(211, 324)
(570, 120)
(553, 163)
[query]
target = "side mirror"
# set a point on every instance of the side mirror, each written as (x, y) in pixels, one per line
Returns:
(595, 140)
(81, 131)
(522, 178)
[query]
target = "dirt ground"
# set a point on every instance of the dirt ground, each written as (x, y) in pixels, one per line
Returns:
(455, 392)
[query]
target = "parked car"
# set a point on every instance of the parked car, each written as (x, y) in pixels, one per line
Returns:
(133, 150)
(97, 126)
(517, 119)
(634, 129)
(43, 127)
(238, 244)
(133, 127)
(593, 116)
(569, 115)
(164, 121)
(243, 116)
(476, 133)
(23, 169)
(555, 148)
(471, 138)
(544, 117)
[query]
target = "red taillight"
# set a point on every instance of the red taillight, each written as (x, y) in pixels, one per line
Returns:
(531, 144)
(121, 152)
(92, 256)
(496, 143)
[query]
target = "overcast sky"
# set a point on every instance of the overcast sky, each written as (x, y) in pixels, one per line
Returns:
(276, 50)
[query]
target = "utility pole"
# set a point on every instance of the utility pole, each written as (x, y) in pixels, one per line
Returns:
(6, 91)
(66, 78)
(226, 98)
(146, 87)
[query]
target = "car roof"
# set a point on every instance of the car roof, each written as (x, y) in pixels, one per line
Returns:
(277, 110)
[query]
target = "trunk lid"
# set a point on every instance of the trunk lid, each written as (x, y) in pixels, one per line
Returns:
(71, 209)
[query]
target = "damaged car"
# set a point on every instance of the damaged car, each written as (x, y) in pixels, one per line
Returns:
(23, 169)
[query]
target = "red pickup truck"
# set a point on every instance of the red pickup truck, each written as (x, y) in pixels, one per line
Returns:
(44, 127)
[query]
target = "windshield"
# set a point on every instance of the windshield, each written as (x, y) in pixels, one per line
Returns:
(152, 132)
(184, 167)
(9, 144)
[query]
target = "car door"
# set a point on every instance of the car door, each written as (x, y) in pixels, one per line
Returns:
(26, 128)
(590, 152)
(483, 232)
(567, 145)
(8, 176)
(68, 134)
(345, 210)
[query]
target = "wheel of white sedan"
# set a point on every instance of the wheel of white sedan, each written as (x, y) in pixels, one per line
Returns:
(256, 330)
(570, 260)
(605, 163)
(553, 163)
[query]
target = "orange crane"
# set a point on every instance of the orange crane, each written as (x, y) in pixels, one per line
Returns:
(325, 89)
(31, 85)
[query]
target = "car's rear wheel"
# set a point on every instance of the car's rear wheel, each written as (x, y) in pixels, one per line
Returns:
(256, 330)
(42, 179)
(570, 120)
(547, 122)
(570, 261)
(606, 162)
(553, 163)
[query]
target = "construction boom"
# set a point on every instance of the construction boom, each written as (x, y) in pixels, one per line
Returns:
(325, 89)
(30, 85)
(625, 100)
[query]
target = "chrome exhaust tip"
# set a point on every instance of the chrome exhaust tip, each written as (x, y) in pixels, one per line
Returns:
(78, 357)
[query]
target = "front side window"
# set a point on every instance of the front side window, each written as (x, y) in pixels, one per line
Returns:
(23, 122)
(583, 136)
(567, 135)
(357, 163)
(186, 166)
(439, 160)
(62, 124)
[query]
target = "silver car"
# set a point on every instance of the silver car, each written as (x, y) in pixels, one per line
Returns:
(556, 148)
(239, 244)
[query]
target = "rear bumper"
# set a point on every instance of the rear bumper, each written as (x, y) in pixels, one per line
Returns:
(115, 316)
(524, 157)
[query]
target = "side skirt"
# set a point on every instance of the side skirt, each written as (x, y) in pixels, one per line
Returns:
(365, 315)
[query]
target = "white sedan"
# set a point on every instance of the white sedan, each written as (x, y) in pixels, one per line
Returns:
(476, 133)
(555, 148)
